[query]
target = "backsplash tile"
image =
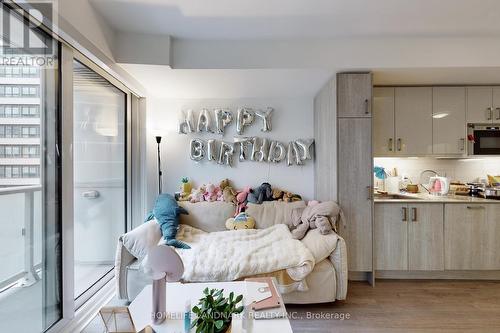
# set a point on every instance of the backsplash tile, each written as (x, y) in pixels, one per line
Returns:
(465, 170)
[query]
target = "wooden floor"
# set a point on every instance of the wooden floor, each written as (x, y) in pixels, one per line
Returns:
(409, 306)
(400, 306)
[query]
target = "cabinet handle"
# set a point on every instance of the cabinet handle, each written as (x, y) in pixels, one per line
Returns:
(462, 144)
(399, 144)
(498, 114)
(367, 107)
(391, 144)
(414, 214)
(489, 113)
(475, 207)
(369, 190)
(405, 214)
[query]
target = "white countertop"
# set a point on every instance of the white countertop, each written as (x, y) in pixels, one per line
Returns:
(427, 198)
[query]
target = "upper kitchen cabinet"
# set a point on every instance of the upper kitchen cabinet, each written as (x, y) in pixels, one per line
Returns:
(383, 121)
(354, 94)
(413, 121)
(483, 105)
(448, 120)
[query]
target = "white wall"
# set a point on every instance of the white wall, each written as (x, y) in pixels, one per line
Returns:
(292, 119)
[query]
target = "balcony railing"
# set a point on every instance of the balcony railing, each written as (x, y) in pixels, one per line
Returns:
(20, 221)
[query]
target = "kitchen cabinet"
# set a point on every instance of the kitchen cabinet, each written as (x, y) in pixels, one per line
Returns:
(448, 120)
(409, 236)
(471, 233)
(483, 105)
(383, 121)
(355, 188)
(413, 121)
(354, 94)
(391, 236)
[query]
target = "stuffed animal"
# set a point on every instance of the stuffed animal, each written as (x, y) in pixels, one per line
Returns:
(316, 215)
(210, 192)
(278, 194)
(166, 212)
(262, 193)
(228, 193)
(186, 189)
(290, 197)
(241, 200)
(197, 195)
(241, 221)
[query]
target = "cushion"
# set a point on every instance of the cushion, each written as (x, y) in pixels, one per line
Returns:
(139, 240)
(270, 213)
(207, 216)
(321, 246)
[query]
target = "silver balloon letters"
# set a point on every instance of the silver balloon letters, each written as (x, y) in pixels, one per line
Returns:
(243, 144)
(226, 153)
(244, 118)
(277, 152)
(197, 149)
(260, 149)
(266, 118)
(250, 148)
(204, 121)
(222, 119)
(186, 122)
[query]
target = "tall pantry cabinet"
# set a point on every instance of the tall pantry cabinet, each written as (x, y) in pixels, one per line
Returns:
(354, 163)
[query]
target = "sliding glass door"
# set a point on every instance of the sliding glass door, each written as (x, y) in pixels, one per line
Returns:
(99, 155)
(30, 164)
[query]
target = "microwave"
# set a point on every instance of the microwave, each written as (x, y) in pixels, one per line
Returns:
(483, 139)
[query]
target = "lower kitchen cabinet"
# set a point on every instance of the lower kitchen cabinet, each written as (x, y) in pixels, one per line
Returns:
(472, 234)
(409, 236)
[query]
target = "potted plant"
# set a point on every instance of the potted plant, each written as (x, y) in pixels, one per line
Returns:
(214, 311)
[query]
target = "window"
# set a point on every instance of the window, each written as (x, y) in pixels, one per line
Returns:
(19, 111)
(19, 90)
(18, 131)
(19, 171)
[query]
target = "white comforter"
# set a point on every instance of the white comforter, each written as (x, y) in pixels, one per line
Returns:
(230, 255)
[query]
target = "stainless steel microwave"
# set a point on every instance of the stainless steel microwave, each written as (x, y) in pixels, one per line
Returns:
(483, 139)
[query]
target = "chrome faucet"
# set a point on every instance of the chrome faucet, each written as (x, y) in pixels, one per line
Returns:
(422, 174)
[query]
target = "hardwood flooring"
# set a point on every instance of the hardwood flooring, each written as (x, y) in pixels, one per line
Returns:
(399, 306)
(409, 306)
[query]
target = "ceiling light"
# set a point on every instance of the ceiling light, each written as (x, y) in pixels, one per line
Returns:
(439, 115)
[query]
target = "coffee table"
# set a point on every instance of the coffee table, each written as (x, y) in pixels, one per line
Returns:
(178, 293)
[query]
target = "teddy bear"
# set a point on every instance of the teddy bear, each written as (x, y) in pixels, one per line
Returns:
(278, 194)
(315, 215)
(210, 192)
(290, 197)
(241, 200)
(240, 221)
(228, 193)
(197, 195)
(262, 193)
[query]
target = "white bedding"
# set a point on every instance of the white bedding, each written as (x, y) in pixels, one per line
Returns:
(230, 255)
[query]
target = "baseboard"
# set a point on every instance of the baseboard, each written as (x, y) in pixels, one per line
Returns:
(87, 312)
(439, 275)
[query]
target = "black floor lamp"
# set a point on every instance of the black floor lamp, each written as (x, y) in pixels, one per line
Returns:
(158, 141)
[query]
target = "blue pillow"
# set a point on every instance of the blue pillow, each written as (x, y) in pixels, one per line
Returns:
(166, 212)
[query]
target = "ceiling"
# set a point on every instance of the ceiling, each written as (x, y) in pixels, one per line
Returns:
(163, 82)
(294, 19)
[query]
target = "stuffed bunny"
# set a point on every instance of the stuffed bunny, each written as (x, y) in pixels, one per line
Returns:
(241, 200)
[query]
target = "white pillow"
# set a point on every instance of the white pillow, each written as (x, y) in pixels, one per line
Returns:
(141, 239)
(321, 246)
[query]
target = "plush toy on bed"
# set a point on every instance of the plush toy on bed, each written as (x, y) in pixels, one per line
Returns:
(210, 192)
(186, 189)
(262, 193)
(228, 193)
(197, 195)
(278, 194)
(322, 215)
(166, 212)
(241, 221)
(241, 200)
(291, 197)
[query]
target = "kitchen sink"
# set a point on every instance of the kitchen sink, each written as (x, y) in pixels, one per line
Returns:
(397, 197)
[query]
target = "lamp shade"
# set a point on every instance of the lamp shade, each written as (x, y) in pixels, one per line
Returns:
(163, 260)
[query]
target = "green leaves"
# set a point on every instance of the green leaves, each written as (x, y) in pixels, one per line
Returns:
(214, 311)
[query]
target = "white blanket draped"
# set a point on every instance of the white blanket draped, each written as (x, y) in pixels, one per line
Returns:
(230, 255)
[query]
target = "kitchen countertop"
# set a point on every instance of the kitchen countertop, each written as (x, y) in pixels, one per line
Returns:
(427, 198)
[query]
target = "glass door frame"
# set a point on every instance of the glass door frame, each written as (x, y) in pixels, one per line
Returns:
(68, 56)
